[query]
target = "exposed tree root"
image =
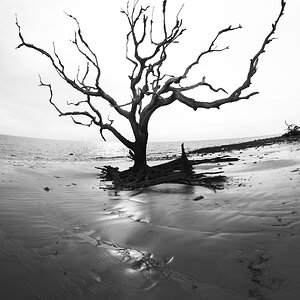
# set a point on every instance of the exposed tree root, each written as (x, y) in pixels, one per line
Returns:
(179, 170)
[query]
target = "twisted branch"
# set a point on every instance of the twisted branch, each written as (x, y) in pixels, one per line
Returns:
(236, 95)
(95, 91)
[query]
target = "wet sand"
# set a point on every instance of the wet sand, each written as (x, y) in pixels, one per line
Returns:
(61, 237)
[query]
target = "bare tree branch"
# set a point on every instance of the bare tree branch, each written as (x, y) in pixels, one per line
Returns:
(214, 104)
(80, 123)
(59, 67)
(76, 103)
(212, 48)
(177, 91)
(202, 83)
(236, 95)
(93, 119)
(94, 59)
(51, 94)
(142, 70)
(69, 113)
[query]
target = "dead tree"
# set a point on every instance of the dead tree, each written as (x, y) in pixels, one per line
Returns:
(148, 83)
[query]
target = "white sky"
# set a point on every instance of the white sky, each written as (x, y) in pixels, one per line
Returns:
(25, 110)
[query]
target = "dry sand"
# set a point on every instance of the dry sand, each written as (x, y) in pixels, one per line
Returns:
(61, 237)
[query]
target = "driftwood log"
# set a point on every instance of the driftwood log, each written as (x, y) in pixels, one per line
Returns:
(179, 170)
(292, 130)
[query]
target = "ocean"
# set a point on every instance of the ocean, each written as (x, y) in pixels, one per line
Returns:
(25, 150)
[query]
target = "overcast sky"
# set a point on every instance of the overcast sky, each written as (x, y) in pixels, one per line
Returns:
(25, 110)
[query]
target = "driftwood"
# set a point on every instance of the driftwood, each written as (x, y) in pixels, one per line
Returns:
(292, 130)
(179, 170)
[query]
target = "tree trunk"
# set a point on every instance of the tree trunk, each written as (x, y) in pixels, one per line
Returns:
(140, 151)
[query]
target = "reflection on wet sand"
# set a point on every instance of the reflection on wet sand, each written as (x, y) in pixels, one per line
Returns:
(152, 269)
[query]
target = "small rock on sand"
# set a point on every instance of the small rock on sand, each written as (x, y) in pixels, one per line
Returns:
(198, 198)
(46, 189)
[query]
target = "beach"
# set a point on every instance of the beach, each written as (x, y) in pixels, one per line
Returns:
(64, 235)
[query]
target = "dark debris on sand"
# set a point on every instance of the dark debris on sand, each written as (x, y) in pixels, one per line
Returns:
(246, 145)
